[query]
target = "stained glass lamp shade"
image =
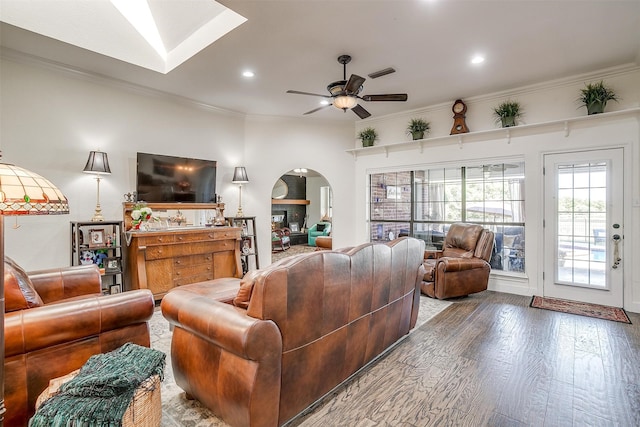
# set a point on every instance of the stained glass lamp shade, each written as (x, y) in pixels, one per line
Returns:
(26, 193)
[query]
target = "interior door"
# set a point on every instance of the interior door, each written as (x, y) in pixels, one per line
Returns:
(583, 234)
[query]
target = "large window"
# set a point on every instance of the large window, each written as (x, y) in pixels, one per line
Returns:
(424, 203)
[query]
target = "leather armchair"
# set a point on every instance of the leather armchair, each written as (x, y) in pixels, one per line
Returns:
(319, 229)
(54, 321)
(280, 239)
(462, 267)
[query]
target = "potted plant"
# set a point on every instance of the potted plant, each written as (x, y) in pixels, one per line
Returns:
(368, 136)
(507, 112)
(595, 96)
(417, 128)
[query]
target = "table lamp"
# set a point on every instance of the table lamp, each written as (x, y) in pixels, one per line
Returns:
(240, 177)
(97, 164)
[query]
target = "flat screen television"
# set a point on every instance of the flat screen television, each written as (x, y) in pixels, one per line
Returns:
(175, 179)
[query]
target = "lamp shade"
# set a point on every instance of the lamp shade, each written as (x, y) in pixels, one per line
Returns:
(345, 102)
(97, 163)
(26, 193)
(240, 175)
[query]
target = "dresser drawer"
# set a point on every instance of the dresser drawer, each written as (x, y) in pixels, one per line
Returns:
(185, 261)
(193, 278)
(158, 252)
(157, 239)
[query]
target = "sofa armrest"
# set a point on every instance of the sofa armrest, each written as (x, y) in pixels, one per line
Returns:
(68, 282)
(68, 321)
(223, 325)
(459, 264)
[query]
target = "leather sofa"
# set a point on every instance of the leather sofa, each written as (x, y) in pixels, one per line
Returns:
(319, 229)
(296, 329)
(462, 267)
(54, 321)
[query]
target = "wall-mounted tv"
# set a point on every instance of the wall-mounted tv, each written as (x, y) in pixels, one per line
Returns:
(175, 179)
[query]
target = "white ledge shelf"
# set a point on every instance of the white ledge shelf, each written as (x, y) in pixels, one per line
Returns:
(564, 125)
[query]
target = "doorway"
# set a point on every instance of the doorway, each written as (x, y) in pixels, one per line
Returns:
(301, 198)
(583, 234)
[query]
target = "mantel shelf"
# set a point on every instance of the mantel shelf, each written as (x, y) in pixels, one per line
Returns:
(289, 202)
(506, 133)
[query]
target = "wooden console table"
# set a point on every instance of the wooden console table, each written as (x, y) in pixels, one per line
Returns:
(163, 260)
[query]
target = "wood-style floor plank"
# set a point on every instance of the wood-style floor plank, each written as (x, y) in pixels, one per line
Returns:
(491, 360)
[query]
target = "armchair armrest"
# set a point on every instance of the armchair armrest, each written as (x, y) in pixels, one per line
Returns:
(62, 283)
(68, 321)
(460, 264)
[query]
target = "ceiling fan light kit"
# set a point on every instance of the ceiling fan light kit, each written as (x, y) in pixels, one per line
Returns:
(346, 93)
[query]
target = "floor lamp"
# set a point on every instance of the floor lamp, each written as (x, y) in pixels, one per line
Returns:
(22, 193)
(97, 164)
(240, 177)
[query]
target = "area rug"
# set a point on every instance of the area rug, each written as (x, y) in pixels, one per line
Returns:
(581, 308)
(177, 411)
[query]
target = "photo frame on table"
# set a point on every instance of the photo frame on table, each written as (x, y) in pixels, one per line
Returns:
(294, 227)
(112, 265)
(96, 238)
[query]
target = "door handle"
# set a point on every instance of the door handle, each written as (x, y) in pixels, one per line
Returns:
(616, 251)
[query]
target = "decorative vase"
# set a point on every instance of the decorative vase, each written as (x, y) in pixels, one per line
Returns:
(417, 134)
(596, 107)
(508, 121)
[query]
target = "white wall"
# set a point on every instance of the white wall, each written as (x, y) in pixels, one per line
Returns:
(50, 122)
(52, 118)
(542, 103)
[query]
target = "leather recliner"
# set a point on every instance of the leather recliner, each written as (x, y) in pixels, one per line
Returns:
(55, 320)
(462, 267)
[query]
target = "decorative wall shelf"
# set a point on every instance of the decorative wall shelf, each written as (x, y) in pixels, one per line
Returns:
(289, 202)
(565, 125)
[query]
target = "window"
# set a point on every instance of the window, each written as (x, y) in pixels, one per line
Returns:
(423, 203)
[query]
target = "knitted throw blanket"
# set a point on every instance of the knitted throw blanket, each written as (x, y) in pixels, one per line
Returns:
(103, 389)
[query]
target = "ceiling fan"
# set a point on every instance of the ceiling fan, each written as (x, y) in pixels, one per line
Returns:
(344, 94)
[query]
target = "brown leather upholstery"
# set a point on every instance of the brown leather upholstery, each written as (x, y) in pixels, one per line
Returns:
(75, 322)
(324, 242)
(312, 321)
(463, 268)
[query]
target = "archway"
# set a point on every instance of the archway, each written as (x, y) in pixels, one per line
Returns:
(301, 203)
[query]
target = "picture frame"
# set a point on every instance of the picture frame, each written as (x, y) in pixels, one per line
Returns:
(294, 227)
(115, 289)
(112, 265)
(96, 238)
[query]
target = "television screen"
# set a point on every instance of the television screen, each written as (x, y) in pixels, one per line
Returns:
(175, 179)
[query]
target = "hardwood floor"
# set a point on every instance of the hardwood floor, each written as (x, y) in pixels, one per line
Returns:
(491, 360)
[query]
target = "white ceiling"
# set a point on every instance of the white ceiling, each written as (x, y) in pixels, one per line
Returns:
(294, 44)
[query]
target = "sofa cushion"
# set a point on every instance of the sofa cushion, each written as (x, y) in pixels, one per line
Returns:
(246, 288)
(18, 290)
(320, 227)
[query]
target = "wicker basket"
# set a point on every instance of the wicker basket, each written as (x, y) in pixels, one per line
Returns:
(145, 410)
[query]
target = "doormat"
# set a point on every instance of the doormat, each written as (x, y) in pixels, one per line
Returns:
(581, 308)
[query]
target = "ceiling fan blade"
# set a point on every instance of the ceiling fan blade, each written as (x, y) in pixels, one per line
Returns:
(382, 73)
(387, 97)
(361, 112)
(317, 109)
(354, 83)
(307, 93)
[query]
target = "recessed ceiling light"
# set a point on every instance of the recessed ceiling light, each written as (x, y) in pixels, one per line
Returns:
(248, 73)
(477, 59)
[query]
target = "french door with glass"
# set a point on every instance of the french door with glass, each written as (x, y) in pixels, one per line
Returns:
(583, 234)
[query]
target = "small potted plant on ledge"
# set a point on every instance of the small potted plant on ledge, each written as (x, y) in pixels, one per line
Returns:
(368, 136)
(417, 128)
(507, 112)
(594, 96)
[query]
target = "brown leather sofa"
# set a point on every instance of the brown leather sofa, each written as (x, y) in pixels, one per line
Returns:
(296, 329)
(54, 321)
(462, 267)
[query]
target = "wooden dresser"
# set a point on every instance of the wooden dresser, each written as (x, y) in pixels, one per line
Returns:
(162, 260)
